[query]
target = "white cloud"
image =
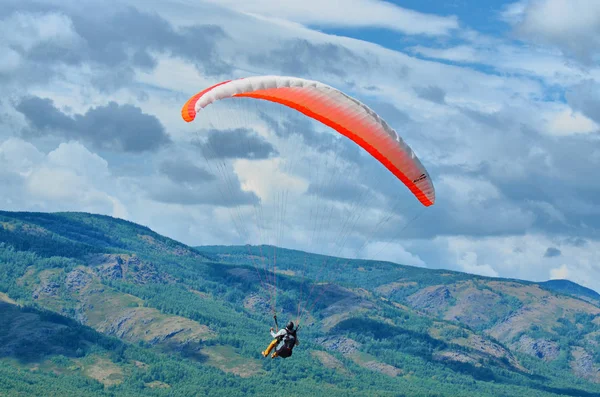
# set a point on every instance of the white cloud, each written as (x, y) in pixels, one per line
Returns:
(392, 252)
(568, 122)
(19, 156)
(557, 18)
(57, 184)
(356, 13)
(462, 53)
(571, 25)
(513, 12)
(68, 178)
(28, 30)
(532, 62)
(559, 273)
(267, 178)
(468, 262)
(521, 257)
(76, 157)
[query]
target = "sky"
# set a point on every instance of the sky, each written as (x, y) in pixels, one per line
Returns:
(500, 100)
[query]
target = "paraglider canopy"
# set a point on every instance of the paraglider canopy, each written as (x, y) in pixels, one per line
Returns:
(335, 109)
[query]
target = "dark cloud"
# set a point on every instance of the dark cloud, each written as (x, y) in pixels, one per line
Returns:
(552, 252)
(199, 45)
(113, 127)
(43, 115)
(185, 172)
(300, 57)
(585, 97)
(222, 192)
(143, 60)
(110, 80)
(239, 143)
(432, 93)
(123, 128)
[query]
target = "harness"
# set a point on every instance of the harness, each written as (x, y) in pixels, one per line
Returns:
(289, 341)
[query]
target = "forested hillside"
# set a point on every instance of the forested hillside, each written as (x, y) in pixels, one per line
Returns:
(97, 304)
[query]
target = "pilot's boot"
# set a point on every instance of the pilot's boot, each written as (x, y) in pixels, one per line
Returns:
(271, 346)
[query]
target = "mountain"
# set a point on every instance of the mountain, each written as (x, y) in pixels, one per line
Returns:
(97, 304)
(570, 288)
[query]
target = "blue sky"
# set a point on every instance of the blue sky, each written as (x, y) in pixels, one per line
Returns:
(500, 100)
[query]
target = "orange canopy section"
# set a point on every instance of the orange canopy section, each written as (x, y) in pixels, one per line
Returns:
(335, 109)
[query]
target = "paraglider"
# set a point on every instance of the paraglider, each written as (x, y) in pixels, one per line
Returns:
(342, 113)
(285, 340)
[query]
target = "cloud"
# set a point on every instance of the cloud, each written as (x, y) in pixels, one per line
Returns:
(559, 273)
(68, 178)
(568, 122)
(504, 57)
(349, 13)
(461, 53)
(585, 98)
(393, 253)
(268, 179)
(338, 190)
(469, 263)
(42, 114)
(110, 42)
(223, 194)
(474, 207)
(182, 176)
(239, 143)
(185, 172)
(513, 12)
(573, 26)
(312, 134)
(390, 113)
(19, 156)
(301, 58)
(112, 127)
(75, 156)
(514, 165)
(520, 257)
(26, 33)
(552, 252)
(431, 93)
